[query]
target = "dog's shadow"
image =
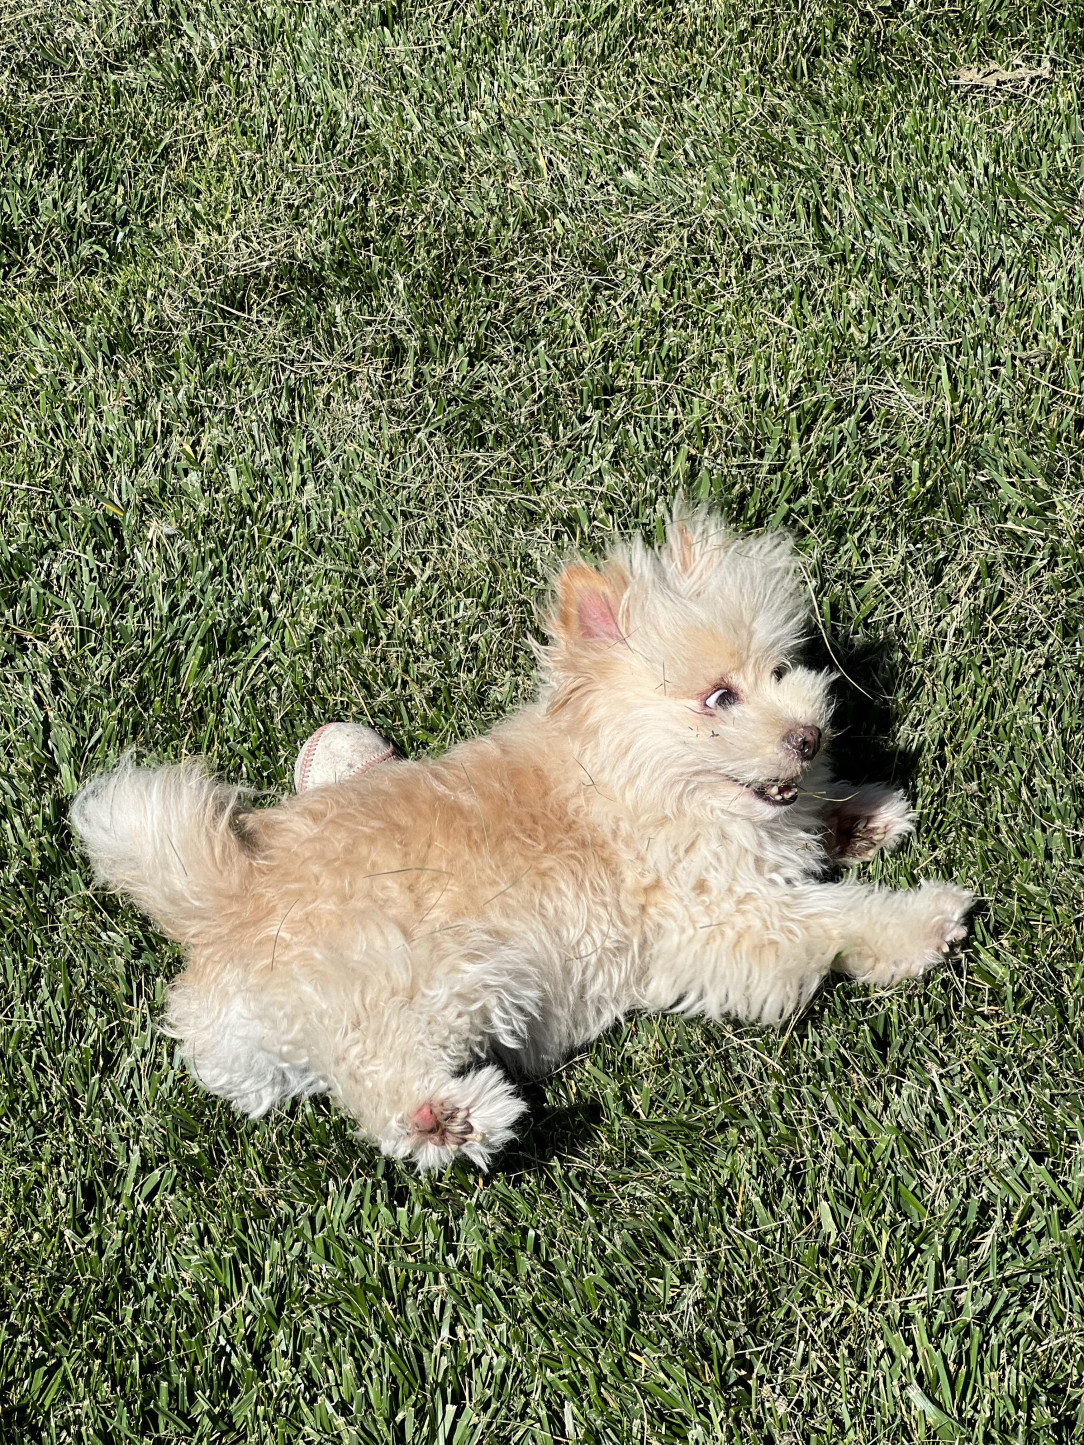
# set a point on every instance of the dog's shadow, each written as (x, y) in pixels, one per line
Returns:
(549, 1132)
(867, 711)
(558, 1134)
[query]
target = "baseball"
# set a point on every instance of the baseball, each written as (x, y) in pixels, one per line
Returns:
(337, 751)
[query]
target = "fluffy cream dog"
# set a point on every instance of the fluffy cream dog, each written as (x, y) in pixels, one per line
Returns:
(651, 833)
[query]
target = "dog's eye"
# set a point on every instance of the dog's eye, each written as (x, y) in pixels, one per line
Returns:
(781, 671)
(721, 697)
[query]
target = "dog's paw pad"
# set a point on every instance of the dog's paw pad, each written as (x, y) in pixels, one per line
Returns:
(468, 1116)
(445, 1125)
(868, 821)
(952, 933)
(863, 838)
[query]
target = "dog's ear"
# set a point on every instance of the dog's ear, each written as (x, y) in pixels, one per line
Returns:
(682, 547)
(589, 605)
(695, 542)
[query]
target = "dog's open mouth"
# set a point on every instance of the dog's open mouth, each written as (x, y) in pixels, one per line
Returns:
(778, 795)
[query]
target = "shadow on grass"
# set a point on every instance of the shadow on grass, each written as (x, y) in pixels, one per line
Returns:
(550, 1134)
(867, 711)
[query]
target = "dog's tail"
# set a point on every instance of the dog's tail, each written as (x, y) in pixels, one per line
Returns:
(166, 837)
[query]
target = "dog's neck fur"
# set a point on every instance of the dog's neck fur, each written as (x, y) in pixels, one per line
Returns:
(788, 846)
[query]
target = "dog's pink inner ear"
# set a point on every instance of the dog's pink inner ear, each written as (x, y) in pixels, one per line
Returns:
(588, 606)
(596, 618)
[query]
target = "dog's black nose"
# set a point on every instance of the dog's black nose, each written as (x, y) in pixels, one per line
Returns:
(805, 742)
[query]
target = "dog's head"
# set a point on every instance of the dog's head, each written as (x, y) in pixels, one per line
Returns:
(675, 671)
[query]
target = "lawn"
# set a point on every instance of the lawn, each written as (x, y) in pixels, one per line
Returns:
(322, 329)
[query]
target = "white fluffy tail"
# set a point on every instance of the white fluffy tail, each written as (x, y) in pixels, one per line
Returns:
(166, 837)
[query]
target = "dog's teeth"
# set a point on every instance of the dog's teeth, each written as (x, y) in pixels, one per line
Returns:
(774, 792)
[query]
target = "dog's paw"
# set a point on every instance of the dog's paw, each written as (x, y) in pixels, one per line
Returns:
(930, 920)
(469, 1117)
(861, 821)
(944, 908)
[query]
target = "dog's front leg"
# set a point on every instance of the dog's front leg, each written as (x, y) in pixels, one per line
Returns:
(762, 955)
(886, 935)
(863, 819)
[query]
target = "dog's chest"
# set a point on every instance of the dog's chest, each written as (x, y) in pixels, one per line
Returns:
(685, 892)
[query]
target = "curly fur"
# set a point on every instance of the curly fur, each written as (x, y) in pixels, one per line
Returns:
(625, 842)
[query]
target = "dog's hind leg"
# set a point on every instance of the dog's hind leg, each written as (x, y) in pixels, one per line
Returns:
(236, 1046)
(416, 1071)
(412, 1100)
(405, 1074)
(406, 1058)
(412, 1066)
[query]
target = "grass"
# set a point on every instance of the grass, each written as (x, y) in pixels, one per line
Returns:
(321, 329)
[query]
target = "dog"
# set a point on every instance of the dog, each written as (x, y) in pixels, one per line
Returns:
(657, 830)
